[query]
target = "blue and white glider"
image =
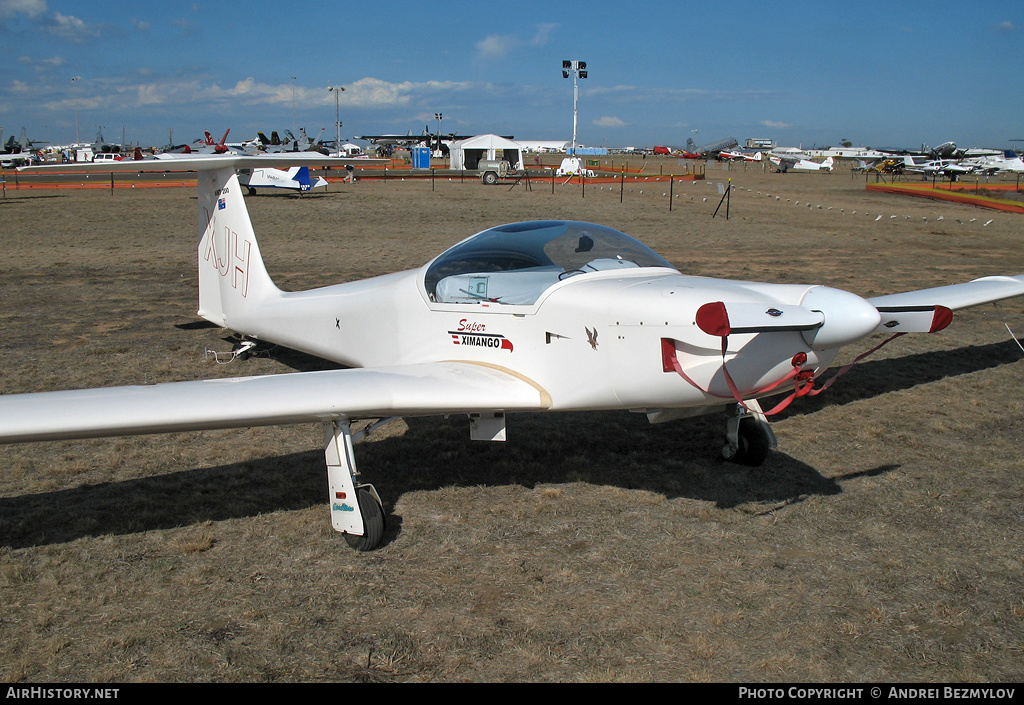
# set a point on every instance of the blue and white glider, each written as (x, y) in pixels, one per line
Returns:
(296, 178)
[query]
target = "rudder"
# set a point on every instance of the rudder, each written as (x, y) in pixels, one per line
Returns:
(232, 275)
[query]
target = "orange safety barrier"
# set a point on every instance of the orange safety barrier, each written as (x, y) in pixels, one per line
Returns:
(956, 193)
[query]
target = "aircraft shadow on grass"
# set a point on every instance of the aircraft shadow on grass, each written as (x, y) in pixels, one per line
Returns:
(617, 449)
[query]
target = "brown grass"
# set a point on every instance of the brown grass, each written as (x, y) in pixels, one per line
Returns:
(882, 541)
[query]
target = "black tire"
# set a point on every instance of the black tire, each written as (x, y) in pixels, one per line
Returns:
(373, 522)
(490, 178)
(755, 442)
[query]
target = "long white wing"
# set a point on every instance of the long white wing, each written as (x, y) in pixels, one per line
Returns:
(202, 162)
(955, 296)
(300, 397)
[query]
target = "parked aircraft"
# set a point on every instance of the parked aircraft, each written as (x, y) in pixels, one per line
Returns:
(784, 162)
(713, 150)
(729, 156)
(406, 140)
(946, 168)
(290, 143)
(946, 150)
(206, 145)
(296, 178)
(436, 141)
(409, 139)
(19, 152)
(529, 316)
(1007, 161)
(101, 146)
(677, 152)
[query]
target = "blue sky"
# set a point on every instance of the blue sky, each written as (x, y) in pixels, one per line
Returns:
(886, 73)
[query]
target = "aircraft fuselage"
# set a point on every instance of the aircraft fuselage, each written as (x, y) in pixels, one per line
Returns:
(592, 341)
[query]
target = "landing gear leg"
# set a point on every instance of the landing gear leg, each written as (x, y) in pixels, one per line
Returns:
(748, 437)
(356, 510)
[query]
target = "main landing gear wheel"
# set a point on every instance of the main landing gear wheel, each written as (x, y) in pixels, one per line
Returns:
(373, 522)
(754, 440)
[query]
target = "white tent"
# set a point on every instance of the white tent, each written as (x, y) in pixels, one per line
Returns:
(466, 154)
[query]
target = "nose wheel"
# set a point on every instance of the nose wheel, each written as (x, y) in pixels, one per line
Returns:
(748, 437)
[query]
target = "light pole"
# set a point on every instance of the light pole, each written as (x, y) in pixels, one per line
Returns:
(75, 80)
(293, 106)
(337, 115)
(439, 117)
(578, 69)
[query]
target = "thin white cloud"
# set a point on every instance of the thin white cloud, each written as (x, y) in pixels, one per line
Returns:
(609, 121)
(543, 35)
(41, 64)
(501, 46)
(1006, 26)
(71, 28)
(496, 46)
(775, 124)
(29, 8)
(186, 26)
(364, 93)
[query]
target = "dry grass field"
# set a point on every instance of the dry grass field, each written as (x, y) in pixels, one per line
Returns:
(882, 541)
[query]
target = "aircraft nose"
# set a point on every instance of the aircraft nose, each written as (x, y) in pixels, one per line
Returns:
(848, 317)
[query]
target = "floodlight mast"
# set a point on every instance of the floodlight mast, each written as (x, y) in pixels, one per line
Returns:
(439, 117)
(337, 116)
(578, 69)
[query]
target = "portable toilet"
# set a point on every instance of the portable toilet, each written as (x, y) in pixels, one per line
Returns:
(420, 157)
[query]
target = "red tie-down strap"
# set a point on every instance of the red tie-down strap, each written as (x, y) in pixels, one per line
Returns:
(803, 379)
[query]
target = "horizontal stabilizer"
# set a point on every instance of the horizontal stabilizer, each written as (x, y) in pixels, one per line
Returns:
(299, 397)
(721, 319)
(955, 296)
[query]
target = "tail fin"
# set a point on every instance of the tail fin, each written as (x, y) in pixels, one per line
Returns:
(827, 164)
(232, 276)
(302, 176)
(690, 146)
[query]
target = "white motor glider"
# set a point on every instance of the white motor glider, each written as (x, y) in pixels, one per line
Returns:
(296, 178)
(532, 316)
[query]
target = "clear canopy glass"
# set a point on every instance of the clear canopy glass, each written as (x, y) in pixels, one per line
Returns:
(514, 264)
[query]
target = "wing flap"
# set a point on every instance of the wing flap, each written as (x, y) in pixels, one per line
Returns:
(300, 397)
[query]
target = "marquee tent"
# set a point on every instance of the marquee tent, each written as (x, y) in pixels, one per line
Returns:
(466, 154)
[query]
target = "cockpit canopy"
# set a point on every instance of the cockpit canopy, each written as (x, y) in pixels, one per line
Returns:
(514, 264)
